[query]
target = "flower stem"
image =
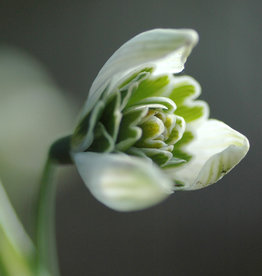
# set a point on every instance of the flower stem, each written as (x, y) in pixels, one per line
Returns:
(47, 261)
(45, 223)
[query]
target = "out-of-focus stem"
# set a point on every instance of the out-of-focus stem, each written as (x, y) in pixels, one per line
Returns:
(17, 253)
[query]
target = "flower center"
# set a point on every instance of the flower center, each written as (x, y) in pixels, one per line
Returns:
(158, 130)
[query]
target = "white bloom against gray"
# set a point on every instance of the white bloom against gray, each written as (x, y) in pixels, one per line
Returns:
(142, 134)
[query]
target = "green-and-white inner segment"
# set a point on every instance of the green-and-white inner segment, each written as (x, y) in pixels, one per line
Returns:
(147, 116)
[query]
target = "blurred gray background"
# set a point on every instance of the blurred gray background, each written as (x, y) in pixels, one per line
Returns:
(214, 231)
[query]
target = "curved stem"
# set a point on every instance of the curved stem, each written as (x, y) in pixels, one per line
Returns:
(45, 223)
(60, 151)
(47, 261)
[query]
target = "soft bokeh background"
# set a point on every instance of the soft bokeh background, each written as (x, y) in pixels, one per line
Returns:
(215, 231)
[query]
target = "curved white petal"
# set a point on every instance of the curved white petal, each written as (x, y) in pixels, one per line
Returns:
(164, 49)
(121, 182)
(216, 149)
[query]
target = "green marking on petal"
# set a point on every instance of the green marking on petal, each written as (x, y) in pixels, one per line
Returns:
(178, 152)
(169, 121)
(187, 137)
(179, 184)
(173, 137)
(190, 113)
(216, 149)
(160, 157)
(103, 142)
(136, 75)
(148, 88)
(152, 128)
(111, 116)
(217, 169)
(150, 143)
(83, 135)
(184, 93)
(127, 90)
(181, 92)
(138, 152)
(181, 155)
(173, 162)
(177, 131)
(169, 105)
(223, 168)
(129, 132)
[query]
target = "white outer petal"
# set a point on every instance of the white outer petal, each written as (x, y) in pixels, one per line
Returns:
(121, 182)
(164, 49)
(217, 148)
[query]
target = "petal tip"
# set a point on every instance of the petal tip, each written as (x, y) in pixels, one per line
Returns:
(216, 150)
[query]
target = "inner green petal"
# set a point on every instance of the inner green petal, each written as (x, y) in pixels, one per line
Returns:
(149, 88)
(111, 116)
(160, 157)
(152, 128)
(135, 75)
(178, 152)
(191, 113)
(83, 135)
(129, 132)
(168, 104)
(184, 92)
(103, 141)
(128, 89)
(181, 92)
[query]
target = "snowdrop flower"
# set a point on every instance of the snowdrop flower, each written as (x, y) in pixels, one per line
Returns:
(142, 134)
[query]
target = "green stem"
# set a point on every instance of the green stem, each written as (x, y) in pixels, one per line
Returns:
(60, 151)
(47, 260)
(45, 223)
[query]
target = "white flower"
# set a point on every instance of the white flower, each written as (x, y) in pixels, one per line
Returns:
(142, 135)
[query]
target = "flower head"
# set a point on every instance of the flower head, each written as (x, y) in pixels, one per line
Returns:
(142, 134)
